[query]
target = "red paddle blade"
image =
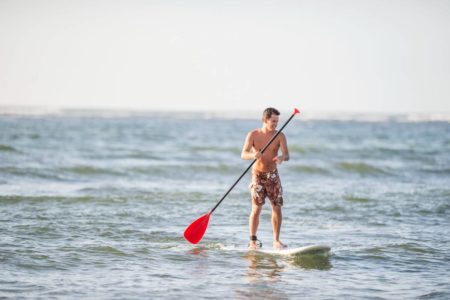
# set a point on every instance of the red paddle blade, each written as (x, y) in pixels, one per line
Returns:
(196, 230)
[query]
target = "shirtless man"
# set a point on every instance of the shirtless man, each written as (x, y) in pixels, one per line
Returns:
(265, 179)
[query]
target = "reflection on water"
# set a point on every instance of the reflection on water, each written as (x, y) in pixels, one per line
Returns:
(263, 272)
(200, 265)
(262, 267)
(318, 262)
(202, 251)
(266, 264)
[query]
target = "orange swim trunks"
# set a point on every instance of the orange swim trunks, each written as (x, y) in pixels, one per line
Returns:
(266, 184)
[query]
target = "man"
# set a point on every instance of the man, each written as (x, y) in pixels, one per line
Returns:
(265, 179)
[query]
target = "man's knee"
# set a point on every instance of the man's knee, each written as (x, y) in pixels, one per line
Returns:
(256, 209)
(276, 209)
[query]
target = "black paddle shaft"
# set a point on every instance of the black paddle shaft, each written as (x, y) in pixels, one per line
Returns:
(248, 168)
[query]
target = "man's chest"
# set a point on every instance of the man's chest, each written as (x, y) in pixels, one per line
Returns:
(261, 141)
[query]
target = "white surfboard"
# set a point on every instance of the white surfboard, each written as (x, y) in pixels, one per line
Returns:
(311, 249)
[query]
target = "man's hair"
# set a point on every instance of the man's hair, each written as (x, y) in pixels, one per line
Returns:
(268, 112)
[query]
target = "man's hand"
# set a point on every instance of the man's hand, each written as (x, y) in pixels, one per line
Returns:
(279, 159)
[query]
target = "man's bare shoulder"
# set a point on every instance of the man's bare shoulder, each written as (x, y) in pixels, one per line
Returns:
(254, 132)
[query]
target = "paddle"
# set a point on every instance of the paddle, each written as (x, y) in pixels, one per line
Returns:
(194, 232)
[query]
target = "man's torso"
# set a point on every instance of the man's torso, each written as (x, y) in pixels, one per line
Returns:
(266, 162)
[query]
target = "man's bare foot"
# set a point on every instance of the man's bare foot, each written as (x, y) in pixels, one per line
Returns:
(252, 245)
(277, 245)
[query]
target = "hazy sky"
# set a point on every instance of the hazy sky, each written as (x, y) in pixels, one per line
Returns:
(374, 55)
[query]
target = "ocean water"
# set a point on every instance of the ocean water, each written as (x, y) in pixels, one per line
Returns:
(93, 205)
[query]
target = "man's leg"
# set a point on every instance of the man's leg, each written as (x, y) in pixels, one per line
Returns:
(253, 222)
(276, 226)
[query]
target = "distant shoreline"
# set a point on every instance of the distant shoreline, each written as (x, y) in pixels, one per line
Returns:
(9, 110)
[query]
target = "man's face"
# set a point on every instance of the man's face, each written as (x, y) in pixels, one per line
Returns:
(272, 122)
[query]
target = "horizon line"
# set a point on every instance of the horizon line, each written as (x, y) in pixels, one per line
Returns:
(71, 111)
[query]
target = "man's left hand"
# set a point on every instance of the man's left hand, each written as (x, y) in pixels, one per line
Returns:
(278, 159)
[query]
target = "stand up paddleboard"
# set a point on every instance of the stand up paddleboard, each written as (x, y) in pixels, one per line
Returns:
(306, 250)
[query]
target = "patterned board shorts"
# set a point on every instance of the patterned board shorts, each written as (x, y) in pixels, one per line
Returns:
(266, 184)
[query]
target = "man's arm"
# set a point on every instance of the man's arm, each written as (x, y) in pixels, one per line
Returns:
(247, 151)
(284, 150)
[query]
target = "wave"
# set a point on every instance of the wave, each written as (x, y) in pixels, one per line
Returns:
(233, 150)
(309, 169)
(139, 195)
(352, 152)
(357, 199)
(215, 168)
(138, 155)
(361, 168)
(32, 172)
(105, 250)
(12, 199)
(90, 170)
(182, 170)
(441, 209)
(109, 200)
(435, 295)
(439, 171)
(400, 247)
(305, 149)
(7, 148)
